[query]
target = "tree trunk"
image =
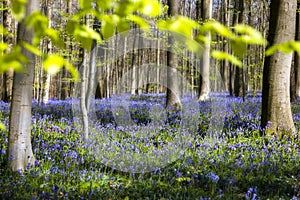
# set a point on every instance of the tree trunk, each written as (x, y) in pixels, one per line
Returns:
(20, 153)
(173, 99)
(83, 85)
(296, 67)
(276, 108)
(204, 84)
(225, 63)
(48, 46)
(239, 88)
(9, 39)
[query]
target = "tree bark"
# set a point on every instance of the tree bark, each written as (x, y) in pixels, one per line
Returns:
(296, 91)
(20, 153)
(10, 40)
(204, 84)
(276, 108)
(239, 88)
(173, 99)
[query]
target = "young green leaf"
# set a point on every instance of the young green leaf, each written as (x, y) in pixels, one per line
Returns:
(249, 35)
(55, 38)
(31, 48)
(53, 63)
(85, 4)
(215, 28)
(180, 24)
(238, 47)
(220, 55)
(108, 27)
(2, 127)
(151, 8)
(18, 9)
(73, 71)
(139, 21)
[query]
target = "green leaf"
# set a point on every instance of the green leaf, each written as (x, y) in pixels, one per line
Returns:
(3, 31)
(3, 46)
(37, 21)
(123, 25)
(271, 50)
(180, 24)
(53, 63)
(12, 60)
(18, 9)
(139, 21)
(31, 48)
(249, 35)
(286, 47)
(104, 4)
(85, 4)
(216, 28)
(194, 46)
(238, 47)
(73, 71)
(149, 8)
(55, 38)
(86, 35)
(2, 127)
(220, 55)
(108, 27)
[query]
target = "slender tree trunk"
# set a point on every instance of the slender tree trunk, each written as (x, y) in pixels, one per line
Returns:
(225, 63)
(83, 85)
(276, 107)
(296, 67)
(20, 153)
(204, 86)
(239, 78)
(48, 46)
(9, 39)
(173, 99)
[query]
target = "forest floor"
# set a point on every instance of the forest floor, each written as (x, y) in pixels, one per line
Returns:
(209, 150)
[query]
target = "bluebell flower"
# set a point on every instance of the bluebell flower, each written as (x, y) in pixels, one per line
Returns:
(213, 177)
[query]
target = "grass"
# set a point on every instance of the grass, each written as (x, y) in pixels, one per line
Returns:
(218, 161)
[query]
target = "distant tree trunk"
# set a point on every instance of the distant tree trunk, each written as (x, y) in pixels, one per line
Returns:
(276, 108)
(225, 64)
(9, 39)
(296, 68)
(173, 99)
(83, 85)
(239, 79)
(204, 84)
(65, 83)
(20, 153)
(48, 45)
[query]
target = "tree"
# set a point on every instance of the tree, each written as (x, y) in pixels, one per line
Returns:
(20, 153)
(204, 85)
(173, 100)
(239, 89)
(8, 23)
(276, 108)
(295, 71)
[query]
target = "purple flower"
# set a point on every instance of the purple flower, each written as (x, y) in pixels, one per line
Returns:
(213, 177)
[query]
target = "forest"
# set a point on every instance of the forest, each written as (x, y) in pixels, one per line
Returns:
(150, 99)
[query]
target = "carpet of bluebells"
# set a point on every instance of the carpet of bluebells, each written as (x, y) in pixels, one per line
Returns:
(241, 163)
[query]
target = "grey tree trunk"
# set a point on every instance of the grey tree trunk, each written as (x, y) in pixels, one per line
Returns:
(20, 153)
(204, 84)
(239, 88)
(48, 45)
(173, 99)
(83, 85)
(297, 59)
(8, 24)
(276, 107)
